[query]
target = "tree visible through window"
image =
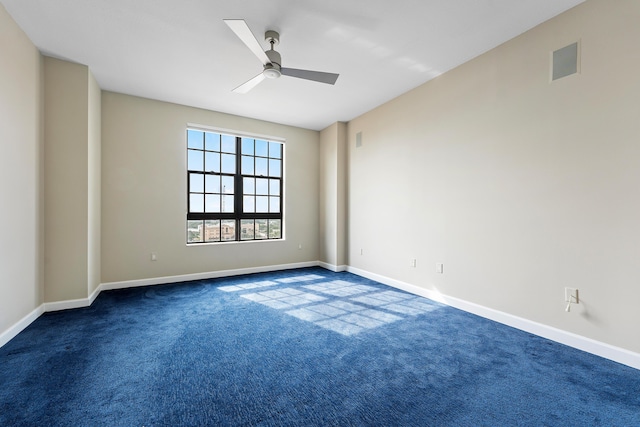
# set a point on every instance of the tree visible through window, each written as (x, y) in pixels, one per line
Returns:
(234, 188)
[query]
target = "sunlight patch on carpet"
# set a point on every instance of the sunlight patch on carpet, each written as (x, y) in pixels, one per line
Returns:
(346, 307)
(346, 318)
(305, 278)
(340, 288)
(245, 286)
(283, 298)
(397, 302)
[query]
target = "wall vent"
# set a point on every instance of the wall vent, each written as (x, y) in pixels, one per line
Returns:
(565, 61)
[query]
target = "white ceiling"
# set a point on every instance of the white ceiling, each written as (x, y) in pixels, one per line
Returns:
(181, 51)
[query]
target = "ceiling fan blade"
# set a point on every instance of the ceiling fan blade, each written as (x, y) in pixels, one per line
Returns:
(243, 32)
(247, 86)
(316, 76)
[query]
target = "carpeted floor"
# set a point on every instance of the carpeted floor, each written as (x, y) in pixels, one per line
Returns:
(303, 347)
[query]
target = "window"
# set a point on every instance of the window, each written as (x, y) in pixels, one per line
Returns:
(234, 188)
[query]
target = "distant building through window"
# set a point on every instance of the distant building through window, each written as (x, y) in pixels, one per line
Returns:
(234, 187)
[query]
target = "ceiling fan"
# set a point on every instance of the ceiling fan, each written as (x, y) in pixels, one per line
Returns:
(271, 60)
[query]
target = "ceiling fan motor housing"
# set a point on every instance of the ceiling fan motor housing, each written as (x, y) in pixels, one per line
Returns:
(272, 69)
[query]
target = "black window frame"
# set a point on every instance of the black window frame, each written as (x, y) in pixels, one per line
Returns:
(238, 214)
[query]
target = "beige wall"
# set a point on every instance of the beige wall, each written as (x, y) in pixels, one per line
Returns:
(333, 199)
(144, 193)
(66, 195)
(342, 196)
(94, 175)
(21, 228)
(72, 181)
(518, 185)
(328, 199)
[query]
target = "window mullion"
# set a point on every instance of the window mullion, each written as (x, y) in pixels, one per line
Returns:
(188, 191)
(238, 187)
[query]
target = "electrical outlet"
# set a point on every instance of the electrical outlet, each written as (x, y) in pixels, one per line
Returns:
(361, 251)
(440, 268)
(413, 262)
(299, 246)
(154, 256)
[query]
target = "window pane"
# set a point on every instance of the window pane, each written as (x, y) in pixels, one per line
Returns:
(261, 166)
(275, 167)
(248, 204)
(212, 183)
(246, 226)
(275, 150)
(275, 228)
(196, 202)
(212, 162)
(212, 141)
(195, 139)
(262, 186)
(274, 204)
(196, 183)
(247, 146)
(212, 203)
(227, 185)
(227, 204)
(228, 230)
(228, 163)
(262, 204)
(212, 230)
(249, 185)
(194, 231)
(261, 229)
(215, 164)
(247, 165)
(194, 160)
(228, 144)
(274, 187)
(262, 148)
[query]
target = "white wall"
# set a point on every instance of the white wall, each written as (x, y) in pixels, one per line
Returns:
(21, 230)
(518, 185)
(144, 193)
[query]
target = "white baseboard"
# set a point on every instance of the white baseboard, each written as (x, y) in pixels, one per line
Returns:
(579, 342)
(332, 267)
(19, 326)
(74, 303)
(203, 276)
(598, 348)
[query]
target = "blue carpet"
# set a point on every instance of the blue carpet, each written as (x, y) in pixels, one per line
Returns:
(300, 347)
